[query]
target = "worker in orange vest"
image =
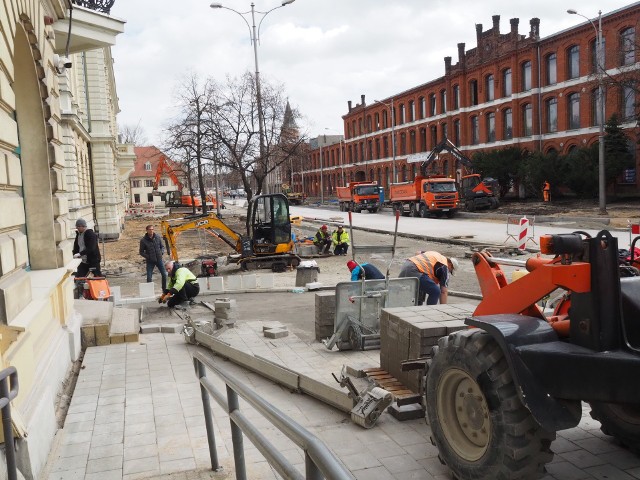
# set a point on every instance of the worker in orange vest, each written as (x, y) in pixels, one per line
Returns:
(433, 270)
(546, 191)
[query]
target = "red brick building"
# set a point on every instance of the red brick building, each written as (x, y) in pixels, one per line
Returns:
(513, 89)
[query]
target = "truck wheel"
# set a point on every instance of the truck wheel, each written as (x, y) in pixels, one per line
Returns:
(450, 214)
(412, 210)
(373, 210)
(478, 422)
(494, 203)
(620, 421)
(470, 205)
(424, 211)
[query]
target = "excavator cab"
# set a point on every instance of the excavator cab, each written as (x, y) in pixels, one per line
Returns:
(271, 225)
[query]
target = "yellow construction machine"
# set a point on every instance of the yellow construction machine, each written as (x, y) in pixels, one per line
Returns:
(269, 244)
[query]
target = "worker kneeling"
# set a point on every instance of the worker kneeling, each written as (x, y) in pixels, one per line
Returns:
(367, 270)
(183, 285)
(433, 270)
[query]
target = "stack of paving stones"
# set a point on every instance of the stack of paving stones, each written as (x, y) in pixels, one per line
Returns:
(103, 324)
(408, 333)
(325, 314)
(225, 313)
(275, 330)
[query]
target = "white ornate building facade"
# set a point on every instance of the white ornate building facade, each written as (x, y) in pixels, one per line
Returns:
(59, 160)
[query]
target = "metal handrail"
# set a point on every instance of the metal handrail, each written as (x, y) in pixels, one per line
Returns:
(8, 391)
(319, 461)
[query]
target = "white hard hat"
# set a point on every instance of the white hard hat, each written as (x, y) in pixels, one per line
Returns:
(454, 264)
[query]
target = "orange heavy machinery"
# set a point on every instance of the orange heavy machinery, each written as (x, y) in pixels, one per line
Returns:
(435, 194)
(358, 196)
(496, 394)
(173, 198)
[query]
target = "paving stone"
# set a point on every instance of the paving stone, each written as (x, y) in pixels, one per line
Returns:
(171, 328)
(276, 333)
(141, 465)
(104, 464)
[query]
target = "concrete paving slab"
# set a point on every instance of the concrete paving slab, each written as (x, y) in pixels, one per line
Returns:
(165, 396)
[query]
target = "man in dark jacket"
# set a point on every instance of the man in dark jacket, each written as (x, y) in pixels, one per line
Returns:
(152, 249)
(85, 246)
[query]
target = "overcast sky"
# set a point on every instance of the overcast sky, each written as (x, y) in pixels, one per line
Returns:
(325, 52)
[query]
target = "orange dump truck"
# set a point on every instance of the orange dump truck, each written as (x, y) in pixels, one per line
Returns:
(434, 195)
(358, 196)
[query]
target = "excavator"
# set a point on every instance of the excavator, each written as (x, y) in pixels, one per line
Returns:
(173, 198)
(268, 246)
(477, 192)
(496, 393)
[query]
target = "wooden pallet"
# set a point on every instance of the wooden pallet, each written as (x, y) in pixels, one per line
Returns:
(382, 379)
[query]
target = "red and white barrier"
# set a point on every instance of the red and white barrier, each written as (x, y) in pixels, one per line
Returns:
(524, 233)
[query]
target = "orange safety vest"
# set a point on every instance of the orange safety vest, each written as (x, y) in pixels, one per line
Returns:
(427, 261)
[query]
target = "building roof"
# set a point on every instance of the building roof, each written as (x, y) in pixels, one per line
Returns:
(153, 155)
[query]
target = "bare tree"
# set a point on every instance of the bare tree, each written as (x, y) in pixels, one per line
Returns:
(133, 134)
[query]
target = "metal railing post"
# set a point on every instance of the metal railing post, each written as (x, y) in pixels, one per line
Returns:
(208, 420)
(236, 436)
(312, 472)
(6, 395)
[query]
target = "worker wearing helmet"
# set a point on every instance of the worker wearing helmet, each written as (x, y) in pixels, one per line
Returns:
(183, 285)
(322, 240)
(369, 271)
(433, 270)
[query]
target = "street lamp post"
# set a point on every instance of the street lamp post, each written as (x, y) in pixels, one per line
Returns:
(254, 34)
(602, 184)
(341, 162)
(393, 136)
(321, 175)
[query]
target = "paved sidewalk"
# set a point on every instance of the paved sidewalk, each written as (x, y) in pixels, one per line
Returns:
(136, 413)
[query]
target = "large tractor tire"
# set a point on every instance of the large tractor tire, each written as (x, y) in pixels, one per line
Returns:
(478, 422)
(620, 421)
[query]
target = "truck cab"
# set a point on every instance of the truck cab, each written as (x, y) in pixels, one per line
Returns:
(358, 196)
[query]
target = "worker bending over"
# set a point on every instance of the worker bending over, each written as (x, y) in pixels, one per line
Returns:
(369, 271)
(183, 285)
(433, 270)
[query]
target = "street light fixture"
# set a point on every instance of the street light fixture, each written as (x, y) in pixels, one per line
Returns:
(254, 34)
(602, 184)
(393, 136)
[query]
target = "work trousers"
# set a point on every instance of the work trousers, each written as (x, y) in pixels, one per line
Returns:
(186, 293)
(428, 288)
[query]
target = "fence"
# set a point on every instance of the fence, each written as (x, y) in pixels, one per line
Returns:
(319, 461)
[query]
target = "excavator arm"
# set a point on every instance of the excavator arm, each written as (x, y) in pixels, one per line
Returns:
(211, 224)
(445, 145)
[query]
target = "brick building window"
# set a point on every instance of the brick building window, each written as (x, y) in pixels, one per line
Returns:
(377, 148)
(369, 123)
(573, 104)
(443, 101)
(595, 109)
(526, 76)
(445, 131)
(403, 143)
(473, 92)
(423, 107)
(628, 103)
(412, 141)
(353, 128)
(628, 46)
(507, 122)
(434, 136)
(573, 62)
(423, 139)
(456, 133)
(412, 111)
(385, 120)
(527, 120)
(489, 87)
(385, 146)
(402, 114)
(432, 104)
(376, 120)
(359, 126)
(491, 127)
(551, 69)
(475, 131)
(507, 89)
(551, 107)
(456, 97)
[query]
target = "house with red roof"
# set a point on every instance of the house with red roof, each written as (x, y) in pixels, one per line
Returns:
(143, 177)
